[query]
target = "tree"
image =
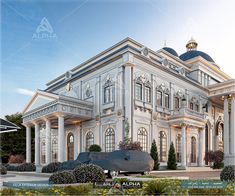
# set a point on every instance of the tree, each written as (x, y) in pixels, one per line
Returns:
(14, 143)
(154, 155)
(95, 148)
(171, 163)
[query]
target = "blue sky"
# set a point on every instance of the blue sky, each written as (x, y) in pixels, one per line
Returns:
(87, 27)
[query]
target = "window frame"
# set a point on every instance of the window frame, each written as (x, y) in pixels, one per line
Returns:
(89, 140)
(142, 137)
(109, 144)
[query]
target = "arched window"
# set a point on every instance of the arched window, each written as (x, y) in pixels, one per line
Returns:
(162, 146)
(109, 140)
(43, 152)
(142, 137)
(70, 146)
(89, 140)
(108, 91)
(220, 136)
(54, 149)
(193, 150)
(178, 148)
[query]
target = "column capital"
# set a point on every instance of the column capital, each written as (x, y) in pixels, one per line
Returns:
(60, 115)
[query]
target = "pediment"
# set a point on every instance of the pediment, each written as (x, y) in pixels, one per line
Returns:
(40, 99)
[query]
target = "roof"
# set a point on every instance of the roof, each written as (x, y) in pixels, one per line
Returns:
(194, 53)
(6, 126)
(171, 51)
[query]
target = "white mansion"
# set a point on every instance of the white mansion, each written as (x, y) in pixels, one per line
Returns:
(159, 95)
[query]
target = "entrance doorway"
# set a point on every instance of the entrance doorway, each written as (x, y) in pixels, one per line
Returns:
(70, 147)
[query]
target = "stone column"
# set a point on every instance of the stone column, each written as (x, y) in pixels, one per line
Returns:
(28, 144)
(201, 152)
(226, 127)
(183, 146)
(233, 126)
(61, 139)
(48, 141)
(37, 144)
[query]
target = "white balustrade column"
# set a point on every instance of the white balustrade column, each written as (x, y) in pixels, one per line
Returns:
(201, 152)
(233, 125)
(28, 144)
(48, 141)
(183, 146)
(61, 139)
(226, 127)
(37, 144)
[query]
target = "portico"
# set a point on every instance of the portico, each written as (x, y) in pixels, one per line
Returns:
(224, 95)
(58, 112)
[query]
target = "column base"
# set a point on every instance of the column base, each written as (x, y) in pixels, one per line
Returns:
(38, 168)
(229, 160)
(182, 167)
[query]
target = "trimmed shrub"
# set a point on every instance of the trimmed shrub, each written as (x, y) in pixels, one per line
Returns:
(51, 167)
(11, 167)
(26, 167)
(227, 174)
(95, 148)
(89, 173)
(62, 177)
(77, 190)
(171, 163)
(129, 145)
(3, 170)
(154, 155)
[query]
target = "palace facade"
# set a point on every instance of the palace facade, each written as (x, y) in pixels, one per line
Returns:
(186, 99)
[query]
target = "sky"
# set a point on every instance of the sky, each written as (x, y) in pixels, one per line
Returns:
(83, 28)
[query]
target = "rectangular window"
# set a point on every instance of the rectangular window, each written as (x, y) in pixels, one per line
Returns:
(191, 106)
(159, 98)
(138, 91)
(176, 102)
(108, 94)
(197, 107)
(166, 100)
(148, 94)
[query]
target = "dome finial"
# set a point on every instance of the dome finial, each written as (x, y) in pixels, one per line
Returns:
(191, 45)
(164, 43)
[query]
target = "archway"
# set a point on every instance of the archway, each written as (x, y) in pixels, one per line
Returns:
(70, 147)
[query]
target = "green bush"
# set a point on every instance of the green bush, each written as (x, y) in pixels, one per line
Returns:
(171, 163)
(154, 187)
(89, 173)
(26, 167)
(154, 155)
(3, 170)
(62, 177)
(51, 167)
(77, 190)
(95, 148)
(227, 174)
(8, 191)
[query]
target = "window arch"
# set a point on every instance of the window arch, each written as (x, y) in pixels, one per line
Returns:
(109, 140)
(142, 137)
(70, 146)
(162, 146)
(43, 152)
(178, 147)
(193, 150)
(89, 139)
(54, 149)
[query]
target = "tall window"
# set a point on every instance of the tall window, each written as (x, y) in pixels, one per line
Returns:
(178, 148)
(206, 140)
(108, 94)
(70, 147)
(159, 98)
(193, 150)
(197, 107)
(191, 105)
(109, 140)
(138, 91)
(43, 151)
(167, 100)
(220, 137)
(89, 140)
(162, 146)
(147, 94)
(176, 102)
(54, 149)
(142, 137)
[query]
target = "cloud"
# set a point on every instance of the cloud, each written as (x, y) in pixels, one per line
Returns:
(25, 92)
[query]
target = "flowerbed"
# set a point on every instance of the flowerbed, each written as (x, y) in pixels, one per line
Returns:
(165, 186)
